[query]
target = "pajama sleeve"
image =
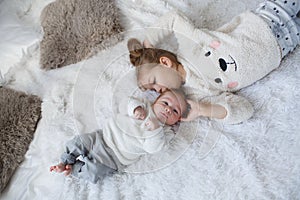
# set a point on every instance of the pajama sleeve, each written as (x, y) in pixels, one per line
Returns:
(133, 103)
(171, 23)
(128, 105)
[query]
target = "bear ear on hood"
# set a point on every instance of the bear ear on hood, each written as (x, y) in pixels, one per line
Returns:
(215, 44)
(134, 44)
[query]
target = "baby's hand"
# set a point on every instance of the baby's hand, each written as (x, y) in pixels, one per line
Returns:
(152, 124)
(139, 113)
(193, 112)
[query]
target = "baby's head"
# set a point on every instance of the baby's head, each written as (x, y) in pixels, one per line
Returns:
(170, 106)
(157, 69)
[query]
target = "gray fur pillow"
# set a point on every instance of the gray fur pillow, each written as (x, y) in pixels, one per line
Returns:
(18, 120)
(73, 29)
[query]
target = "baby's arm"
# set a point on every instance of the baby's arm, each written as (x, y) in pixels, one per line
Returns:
(206, 110)
(227, 107)
(136, 108)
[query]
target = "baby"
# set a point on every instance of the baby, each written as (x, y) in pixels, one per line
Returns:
(124, 138)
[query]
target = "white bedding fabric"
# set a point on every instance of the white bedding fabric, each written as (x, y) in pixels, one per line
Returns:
(258, 159)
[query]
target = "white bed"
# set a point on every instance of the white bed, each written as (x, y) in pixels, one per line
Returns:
(257, 159)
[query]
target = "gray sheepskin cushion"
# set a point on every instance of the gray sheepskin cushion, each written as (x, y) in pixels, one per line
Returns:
(73, 29)
(18, 120)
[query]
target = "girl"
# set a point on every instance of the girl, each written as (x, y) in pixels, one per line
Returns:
(216, 63)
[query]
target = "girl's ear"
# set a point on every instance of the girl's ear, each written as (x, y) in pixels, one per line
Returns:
(165, 61)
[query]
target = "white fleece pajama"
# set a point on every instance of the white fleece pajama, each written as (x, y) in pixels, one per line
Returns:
(234, 56)
(122, 142)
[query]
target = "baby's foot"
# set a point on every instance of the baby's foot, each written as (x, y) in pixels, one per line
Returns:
(61, 168)
(68, 170)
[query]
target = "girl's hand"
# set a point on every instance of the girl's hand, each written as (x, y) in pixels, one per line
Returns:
(140, 113)
(147, 44)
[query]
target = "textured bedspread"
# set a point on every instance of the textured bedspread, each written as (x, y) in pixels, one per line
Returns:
(257, 159)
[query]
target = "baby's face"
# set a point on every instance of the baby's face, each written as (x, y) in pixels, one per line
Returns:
(169, 107)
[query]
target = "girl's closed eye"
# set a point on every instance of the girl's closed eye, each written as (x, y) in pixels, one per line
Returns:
(154, 81)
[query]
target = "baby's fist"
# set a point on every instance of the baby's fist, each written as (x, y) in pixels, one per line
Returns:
(139, 113)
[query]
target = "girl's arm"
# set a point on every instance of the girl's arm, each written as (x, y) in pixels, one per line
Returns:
(171, 23)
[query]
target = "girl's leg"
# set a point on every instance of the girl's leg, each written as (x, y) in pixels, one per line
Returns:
(281, 15)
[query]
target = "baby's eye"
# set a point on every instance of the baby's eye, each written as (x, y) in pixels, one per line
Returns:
(166, 103)
(175, 111)
(207, 54)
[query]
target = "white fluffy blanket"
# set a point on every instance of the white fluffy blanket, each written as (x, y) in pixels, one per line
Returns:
(258, 159)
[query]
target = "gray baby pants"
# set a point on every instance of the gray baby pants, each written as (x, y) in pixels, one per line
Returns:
(97, 159)
(281, 15)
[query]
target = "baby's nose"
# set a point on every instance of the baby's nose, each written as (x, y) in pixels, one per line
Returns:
(167, 109)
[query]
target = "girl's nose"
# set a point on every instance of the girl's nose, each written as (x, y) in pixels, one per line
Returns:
(159, 88)
(163, 89)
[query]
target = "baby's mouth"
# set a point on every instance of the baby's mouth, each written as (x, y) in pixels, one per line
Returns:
(164, 115)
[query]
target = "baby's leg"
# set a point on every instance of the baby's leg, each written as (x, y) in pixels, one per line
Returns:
(74, 148)
(92, 170)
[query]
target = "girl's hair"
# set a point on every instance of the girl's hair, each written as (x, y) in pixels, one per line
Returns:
(139, 55)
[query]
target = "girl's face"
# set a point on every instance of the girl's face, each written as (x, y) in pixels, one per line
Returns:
(158, 78)
(169, 107)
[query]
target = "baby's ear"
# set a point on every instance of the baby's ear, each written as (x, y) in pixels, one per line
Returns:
(134, 44)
